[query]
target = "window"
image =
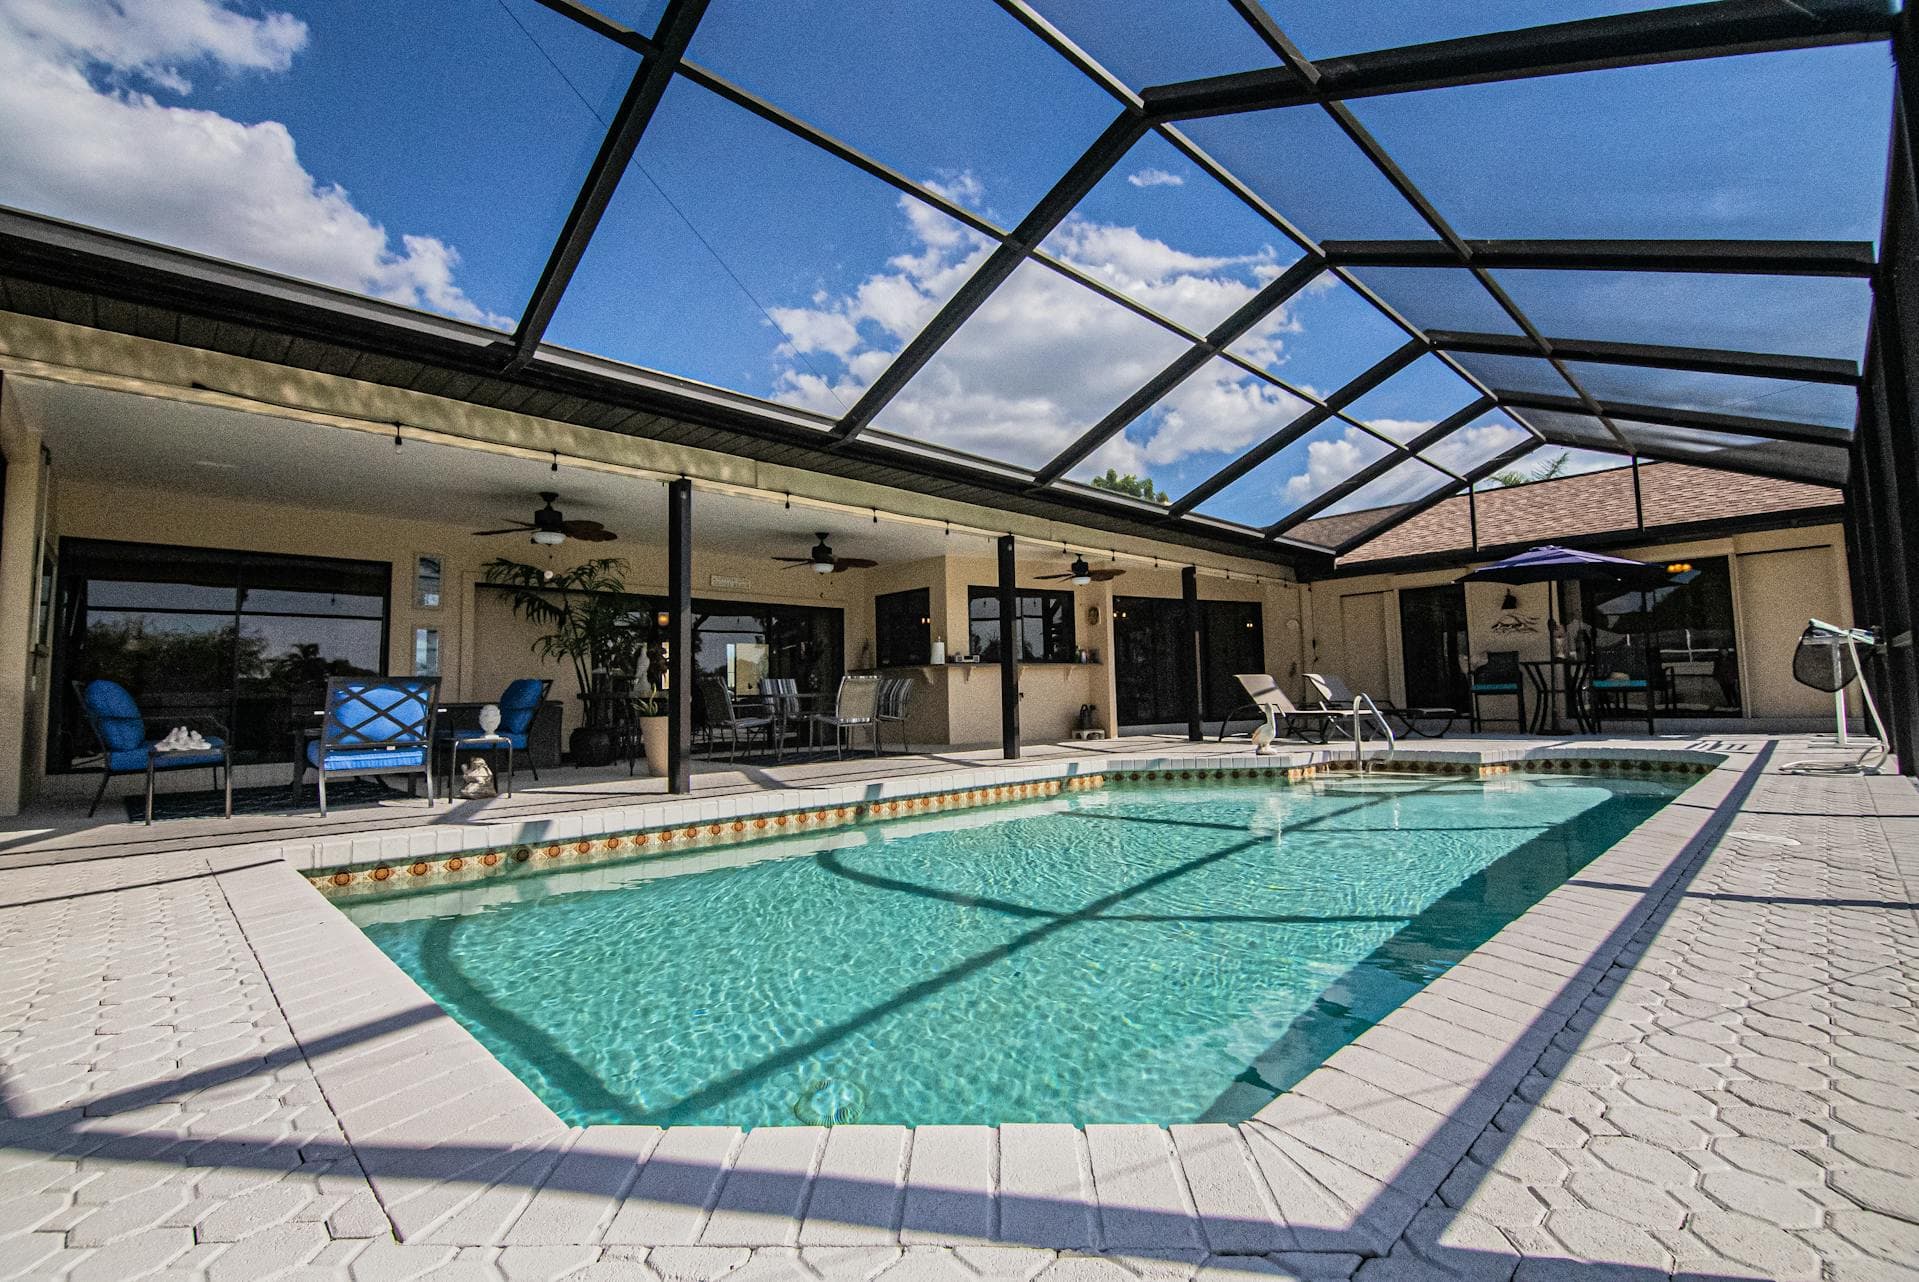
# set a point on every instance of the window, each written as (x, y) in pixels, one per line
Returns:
(1045, 625)
(902, 628)
(243, 637)
(1683, 633)
(426, 582)
(426, 652)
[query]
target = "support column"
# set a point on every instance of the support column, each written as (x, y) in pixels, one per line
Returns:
(1190, 668)
(679, 636)
(1008, 650)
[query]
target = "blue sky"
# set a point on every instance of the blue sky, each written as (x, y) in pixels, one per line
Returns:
(428, 153)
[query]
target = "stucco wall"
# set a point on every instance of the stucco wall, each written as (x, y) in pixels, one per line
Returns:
(24, 511)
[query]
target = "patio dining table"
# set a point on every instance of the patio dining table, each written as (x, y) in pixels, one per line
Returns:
(1553, 680)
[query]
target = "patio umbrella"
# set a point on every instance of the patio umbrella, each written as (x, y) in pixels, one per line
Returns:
(1552, 564)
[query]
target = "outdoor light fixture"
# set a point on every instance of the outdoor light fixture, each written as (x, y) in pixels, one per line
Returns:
(821, 557)
(548, 538)
(1511, 602)
(662, 619)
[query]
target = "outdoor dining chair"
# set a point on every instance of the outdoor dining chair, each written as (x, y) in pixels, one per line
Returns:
(723, 713)
(1500, 675)
(855, 708)
(1616, 676)
(373, 726)
(896, 697)
(125, 748)
(518, 704)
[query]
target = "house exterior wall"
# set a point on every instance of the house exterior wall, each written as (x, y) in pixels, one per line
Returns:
(25, 509)
(1780, 578)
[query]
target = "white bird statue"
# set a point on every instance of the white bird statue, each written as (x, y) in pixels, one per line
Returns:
(1263, 737)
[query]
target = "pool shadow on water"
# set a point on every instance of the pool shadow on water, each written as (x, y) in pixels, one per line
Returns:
(1450, 928)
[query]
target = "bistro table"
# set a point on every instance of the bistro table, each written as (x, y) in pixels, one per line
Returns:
(486, 743)
(1552, 680)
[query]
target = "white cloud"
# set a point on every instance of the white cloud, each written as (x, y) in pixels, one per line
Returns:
(1470, 446)
(1043, 358)
(1150, 177)
(1330, 461)
(84, 137)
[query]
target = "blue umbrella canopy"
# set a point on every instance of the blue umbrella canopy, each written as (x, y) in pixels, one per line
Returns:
(1551, 564)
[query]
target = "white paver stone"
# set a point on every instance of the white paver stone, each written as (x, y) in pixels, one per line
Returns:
(950, 1185)
(858, 1190)
(765, 1192)
(1142, 1198)
(1046, 1198)
(676, 1187)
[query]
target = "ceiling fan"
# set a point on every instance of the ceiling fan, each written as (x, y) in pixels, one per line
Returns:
(823, 561)
(1082, 573)
(550, 526)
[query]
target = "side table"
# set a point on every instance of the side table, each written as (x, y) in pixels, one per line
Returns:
(485, 742)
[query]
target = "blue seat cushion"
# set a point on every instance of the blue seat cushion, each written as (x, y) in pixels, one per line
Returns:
(368, 759)
(126, 759)
(1503, 687)
(115, 716)
(1610, 683)
(518, 704)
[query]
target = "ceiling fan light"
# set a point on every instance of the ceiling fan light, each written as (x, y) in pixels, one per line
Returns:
(548, 538)
(821, 567)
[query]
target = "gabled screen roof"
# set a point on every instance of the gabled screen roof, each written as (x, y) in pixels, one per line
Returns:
(1284, 263)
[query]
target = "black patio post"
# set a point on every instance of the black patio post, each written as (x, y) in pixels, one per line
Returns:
(679, 636)
(1008, 650)
(1190, 669)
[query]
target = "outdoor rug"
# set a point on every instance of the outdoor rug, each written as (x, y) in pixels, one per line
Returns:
(263, 800)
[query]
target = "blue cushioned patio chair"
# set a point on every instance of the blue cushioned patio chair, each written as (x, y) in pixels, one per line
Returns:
(374, 726)
(125, 748)
(1500, 675)
(517, 704)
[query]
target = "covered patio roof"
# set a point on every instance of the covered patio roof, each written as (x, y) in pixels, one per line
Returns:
(1412, 316)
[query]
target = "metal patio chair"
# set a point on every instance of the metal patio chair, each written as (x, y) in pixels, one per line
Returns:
(896, 698)
(723, 712)
(855, 708)
(125, 748)
(1500, 675)
(373, 726)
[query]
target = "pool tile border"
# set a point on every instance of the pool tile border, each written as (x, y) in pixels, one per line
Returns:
(1339, 1164)
(420, 860)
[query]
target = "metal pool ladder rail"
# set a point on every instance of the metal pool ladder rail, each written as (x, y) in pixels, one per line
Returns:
(1359, 733)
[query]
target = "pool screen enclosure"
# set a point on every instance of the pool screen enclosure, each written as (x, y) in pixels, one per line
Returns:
(1681, 233)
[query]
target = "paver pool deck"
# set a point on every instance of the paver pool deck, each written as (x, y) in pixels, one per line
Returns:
(1699, 1057)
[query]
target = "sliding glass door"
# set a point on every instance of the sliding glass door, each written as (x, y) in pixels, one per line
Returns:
(247, 638)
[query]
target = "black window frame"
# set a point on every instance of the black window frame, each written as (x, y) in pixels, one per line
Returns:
(1033, 605)
(69, 745)
(903, 628)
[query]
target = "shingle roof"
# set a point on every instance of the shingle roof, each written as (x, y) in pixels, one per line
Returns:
(1591, 503)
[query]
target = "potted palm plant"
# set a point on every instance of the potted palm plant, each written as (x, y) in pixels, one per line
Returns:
(588, 622)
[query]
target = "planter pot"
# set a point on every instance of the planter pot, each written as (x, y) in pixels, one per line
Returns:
(591, 746)
(653, 739)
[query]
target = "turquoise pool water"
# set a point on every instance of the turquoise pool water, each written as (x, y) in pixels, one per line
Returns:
(1134, 954)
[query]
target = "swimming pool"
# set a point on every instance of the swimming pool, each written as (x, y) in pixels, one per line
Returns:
(1143, 953)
